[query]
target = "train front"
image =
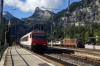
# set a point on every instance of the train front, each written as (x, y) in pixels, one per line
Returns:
(39, 41)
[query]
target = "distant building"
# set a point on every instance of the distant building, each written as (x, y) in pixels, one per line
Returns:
(76, 23)
(64, 19)
(79, 23)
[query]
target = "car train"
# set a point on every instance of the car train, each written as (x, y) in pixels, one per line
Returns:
(35, 40)
(77, 43)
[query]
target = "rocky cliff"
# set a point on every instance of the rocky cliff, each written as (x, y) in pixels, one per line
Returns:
(41, 14)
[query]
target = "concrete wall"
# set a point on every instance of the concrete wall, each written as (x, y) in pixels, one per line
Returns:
(92, 46)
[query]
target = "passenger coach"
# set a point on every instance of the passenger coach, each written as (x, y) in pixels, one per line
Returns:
(35, 40)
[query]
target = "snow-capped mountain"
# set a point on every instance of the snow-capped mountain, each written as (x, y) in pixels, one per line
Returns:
(7, 15)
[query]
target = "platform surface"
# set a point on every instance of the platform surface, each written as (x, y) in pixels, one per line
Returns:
(19, 57)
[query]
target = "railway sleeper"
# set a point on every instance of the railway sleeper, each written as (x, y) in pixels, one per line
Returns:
(84, 58)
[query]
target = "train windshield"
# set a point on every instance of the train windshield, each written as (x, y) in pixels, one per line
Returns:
(38, 36)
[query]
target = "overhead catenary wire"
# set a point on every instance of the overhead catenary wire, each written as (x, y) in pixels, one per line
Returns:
(62, 4)
(9, 8)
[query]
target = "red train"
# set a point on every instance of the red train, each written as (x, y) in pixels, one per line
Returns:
(35, 40)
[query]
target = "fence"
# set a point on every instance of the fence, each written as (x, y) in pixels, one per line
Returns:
(2, 50)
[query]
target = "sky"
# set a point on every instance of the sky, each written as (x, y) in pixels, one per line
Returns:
(25, 8)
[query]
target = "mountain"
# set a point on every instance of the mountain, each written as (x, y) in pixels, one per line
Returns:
(41, 14)
(11, 18)
(7, 15)
(17, 26)
(83, 11)
(88, 11)
(38, 17)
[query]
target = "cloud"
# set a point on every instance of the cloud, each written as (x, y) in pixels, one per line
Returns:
(30, 5)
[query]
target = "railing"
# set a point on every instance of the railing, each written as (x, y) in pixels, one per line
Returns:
(2, 50)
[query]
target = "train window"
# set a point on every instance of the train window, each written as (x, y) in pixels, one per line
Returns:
(30, 35)
(40, 36)
(24, 39)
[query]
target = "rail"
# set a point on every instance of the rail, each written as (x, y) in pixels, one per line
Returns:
(2, 50)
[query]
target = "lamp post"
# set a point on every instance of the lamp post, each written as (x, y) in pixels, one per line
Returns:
(15, 26)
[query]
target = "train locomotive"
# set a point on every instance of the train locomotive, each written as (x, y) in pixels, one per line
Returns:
(77, 43)
(35, 40)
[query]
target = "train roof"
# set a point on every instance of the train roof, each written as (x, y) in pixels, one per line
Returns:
(34, 31)
(37, 31)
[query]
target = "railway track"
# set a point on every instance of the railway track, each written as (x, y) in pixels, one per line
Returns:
(80, 60)
(95, 54)
(67, 58)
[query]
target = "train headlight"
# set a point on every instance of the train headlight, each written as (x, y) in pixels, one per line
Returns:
(44, 44)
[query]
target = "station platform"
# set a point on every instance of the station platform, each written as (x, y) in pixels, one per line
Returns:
(16, 56)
